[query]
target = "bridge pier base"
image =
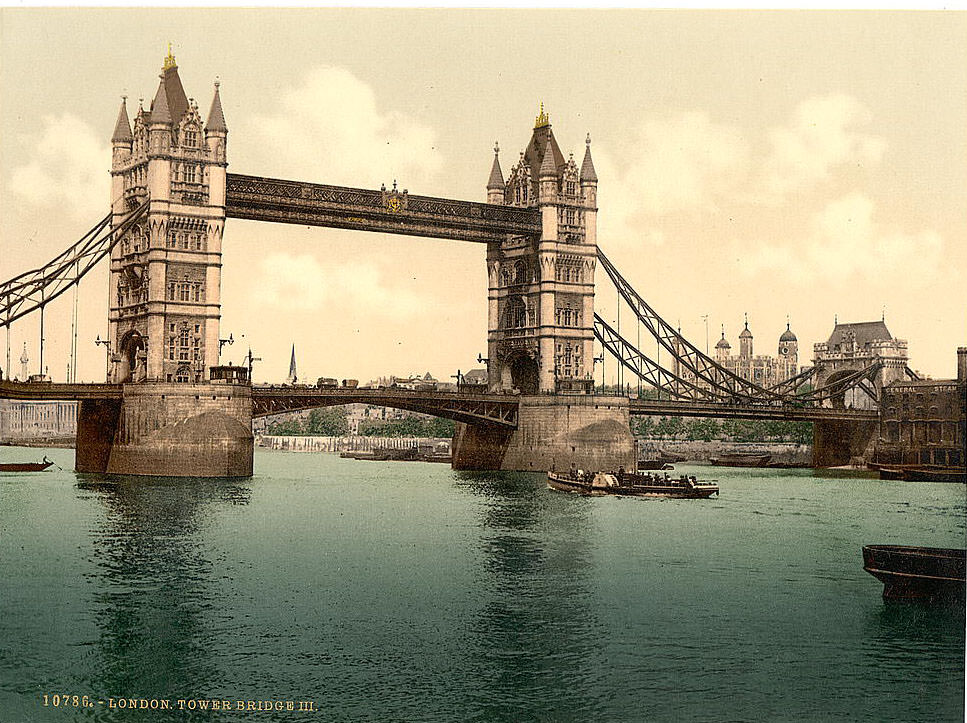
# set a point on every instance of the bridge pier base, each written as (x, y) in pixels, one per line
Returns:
(553, 432)
(168, 430)
(840, 442)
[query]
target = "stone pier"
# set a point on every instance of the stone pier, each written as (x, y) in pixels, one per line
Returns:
(169, 430)
(592, 432)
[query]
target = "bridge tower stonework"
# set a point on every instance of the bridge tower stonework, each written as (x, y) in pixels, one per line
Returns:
(164, 297)
(541, 290)
(541, 323)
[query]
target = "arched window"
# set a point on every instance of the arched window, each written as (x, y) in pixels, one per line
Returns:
(520, 273)
(515, 316)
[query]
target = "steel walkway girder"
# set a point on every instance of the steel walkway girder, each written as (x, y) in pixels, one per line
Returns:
(313, 204)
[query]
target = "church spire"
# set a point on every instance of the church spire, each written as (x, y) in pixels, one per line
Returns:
(293, 377)
(122, 129)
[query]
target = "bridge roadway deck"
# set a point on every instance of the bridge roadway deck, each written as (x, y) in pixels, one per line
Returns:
(474, 408)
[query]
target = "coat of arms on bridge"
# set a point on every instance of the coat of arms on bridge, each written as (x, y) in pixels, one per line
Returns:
(394, 201)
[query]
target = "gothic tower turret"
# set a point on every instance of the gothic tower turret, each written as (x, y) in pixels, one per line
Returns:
(745, 341)
(541, 317)
(495, 185)
(788, 353)
(166, 271)
(722, 348)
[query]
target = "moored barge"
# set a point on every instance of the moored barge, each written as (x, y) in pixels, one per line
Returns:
(929, 574)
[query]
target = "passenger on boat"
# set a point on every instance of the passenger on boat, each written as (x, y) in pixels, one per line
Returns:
(621, 475)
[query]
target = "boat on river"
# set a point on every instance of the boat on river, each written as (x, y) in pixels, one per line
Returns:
(930, 574)
(25, 466)
(631, 485)
(741, 459)
(921, 473)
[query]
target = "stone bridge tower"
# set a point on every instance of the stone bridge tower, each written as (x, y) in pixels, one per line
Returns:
(164, 304)
(541, 290)
(166, 272)
(851, 348)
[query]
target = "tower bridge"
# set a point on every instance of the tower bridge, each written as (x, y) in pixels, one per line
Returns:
(168, 408)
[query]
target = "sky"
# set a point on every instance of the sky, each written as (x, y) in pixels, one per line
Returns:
(782, 164)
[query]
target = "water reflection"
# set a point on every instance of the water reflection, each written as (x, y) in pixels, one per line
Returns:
(536, 636)
(151, 586)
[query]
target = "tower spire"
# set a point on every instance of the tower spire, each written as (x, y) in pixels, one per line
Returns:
(159, 107)
(496, 181)
(587, 166)
(216, 118)
(122, 129)
(548, 167)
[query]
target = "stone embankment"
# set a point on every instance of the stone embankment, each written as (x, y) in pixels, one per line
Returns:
(698, 451)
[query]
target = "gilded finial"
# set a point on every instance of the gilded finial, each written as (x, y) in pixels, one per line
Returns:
(587, 141)
(496, 148)
(169, 60)
(542, 119)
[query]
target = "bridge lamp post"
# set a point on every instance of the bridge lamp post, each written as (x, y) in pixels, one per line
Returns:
(600, 359)
(107, 354)
(223, 342)
(250, 361)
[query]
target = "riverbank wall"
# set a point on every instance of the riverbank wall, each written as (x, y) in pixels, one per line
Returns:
(699, 451)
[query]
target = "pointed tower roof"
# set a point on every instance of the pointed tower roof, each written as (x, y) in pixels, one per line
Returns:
(496, 181)
(723, 342)
(159, 106)
(170, 102)
(548, 167)
(541, 139)
(122, 129)
(216, 119)
(745, 332)
(587, 167)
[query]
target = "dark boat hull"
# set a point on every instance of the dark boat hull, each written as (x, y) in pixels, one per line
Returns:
(24, 466)
(741, 460)
(567, 484)
(922, 473)
(929, 574)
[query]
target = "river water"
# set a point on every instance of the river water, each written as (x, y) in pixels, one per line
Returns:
(405, 591)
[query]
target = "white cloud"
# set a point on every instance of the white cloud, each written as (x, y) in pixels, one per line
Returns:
(330, 128)
(820, 138)
(845, 242)
(300, 283)
(67, 170)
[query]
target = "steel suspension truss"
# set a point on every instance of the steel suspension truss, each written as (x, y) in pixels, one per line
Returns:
(648, 370)
(34, 289)
(705, 369)
(712, 382)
